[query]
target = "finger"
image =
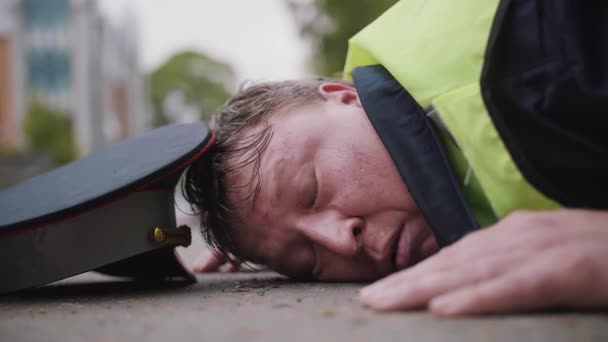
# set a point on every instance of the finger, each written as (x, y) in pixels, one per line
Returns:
(416, 292)
(410, 296)
(522, 289)
(231, 267)
(396, 281)
(207, 262)
(435, 263)
(561, 277)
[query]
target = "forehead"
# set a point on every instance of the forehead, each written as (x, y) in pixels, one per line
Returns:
(259, 233)
(259, 161)
(292, 134)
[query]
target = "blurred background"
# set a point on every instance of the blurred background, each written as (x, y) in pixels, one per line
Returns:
(77, 75)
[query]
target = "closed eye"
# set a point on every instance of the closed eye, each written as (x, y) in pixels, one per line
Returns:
(314, 190)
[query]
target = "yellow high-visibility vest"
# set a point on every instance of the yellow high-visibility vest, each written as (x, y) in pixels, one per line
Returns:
(435, 49)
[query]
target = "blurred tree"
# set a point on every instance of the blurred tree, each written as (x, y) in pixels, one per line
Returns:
(330, 23)
(189, 86)
(50, 131)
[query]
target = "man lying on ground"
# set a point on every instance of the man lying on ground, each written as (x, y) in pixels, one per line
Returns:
(392, 176)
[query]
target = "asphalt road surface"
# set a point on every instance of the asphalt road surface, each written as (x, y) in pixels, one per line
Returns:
(252, 307)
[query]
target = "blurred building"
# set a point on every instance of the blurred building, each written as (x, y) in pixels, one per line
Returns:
(125, 107)
(66, 55)
(11, 81)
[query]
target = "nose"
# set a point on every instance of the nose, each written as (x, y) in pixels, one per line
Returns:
(338, 234)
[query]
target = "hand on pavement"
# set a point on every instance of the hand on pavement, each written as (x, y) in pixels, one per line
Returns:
(208, 261)
(527, 261)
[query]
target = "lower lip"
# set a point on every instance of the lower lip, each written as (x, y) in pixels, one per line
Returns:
(402, 257)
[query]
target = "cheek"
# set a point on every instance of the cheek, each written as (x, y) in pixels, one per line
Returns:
(361, 174)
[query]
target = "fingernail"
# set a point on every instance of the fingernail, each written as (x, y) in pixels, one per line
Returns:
(367, 299)
(368, 291)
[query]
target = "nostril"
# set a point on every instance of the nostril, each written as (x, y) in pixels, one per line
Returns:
(357, 234)
(356, 229)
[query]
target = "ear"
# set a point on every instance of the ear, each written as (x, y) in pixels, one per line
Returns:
(334, 91)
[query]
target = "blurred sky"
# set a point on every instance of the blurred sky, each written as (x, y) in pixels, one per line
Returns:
(257, 37)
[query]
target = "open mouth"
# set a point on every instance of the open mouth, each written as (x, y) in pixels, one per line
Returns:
(395, 248)
(402, 249)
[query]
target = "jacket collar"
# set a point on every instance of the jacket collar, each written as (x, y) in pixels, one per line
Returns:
(417, 152)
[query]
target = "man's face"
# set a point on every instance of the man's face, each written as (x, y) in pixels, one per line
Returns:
(332, 205)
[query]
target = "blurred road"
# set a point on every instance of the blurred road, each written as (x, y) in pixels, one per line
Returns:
(252, 307)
